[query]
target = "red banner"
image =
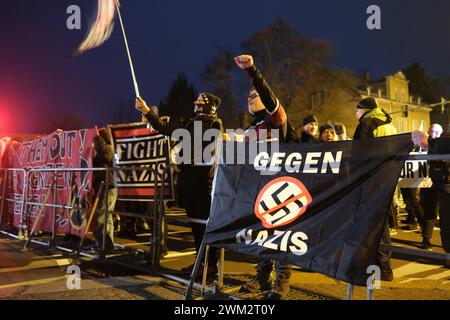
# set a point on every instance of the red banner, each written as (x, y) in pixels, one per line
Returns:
(136, 145)
(59, 150)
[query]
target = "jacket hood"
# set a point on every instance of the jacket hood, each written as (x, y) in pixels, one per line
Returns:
(379, 115)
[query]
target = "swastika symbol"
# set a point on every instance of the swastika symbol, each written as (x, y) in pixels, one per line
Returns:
(281, 201)
(286, 201)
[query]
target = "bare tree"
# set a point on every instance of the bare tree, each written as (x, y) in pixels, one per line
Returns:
(297, 68)
(218, 77)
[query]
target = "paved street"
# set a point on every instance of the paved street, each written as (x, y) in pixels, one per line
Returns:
(42, 274)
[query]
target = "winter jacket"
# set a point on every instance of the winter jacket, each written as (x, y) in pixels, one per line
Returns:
(104, 156)
(440, 169)
(207, 121)
(273, 117)
(374, 123)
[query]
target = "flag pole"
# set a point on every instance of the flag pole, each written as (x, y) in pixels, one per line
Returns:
(136, 88)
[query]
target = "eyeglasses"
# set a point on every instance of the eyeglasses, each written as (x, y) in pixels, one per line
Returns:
(253, 96)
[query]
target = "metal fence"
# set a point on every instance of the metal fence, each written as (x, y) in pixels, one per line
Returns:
(158, 218)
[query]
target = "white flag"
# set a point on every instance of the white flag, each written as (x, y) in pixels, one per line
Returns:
(103, 26)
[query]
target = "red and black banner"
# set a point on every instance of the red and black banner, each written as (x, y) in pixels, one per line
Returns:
(39, 157)
(319, 206)
(135, 145)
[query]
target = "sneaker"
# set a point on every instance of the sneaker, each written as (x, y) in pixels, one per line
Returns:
(260, 282)
(387, 274)
(279, 290)
(426, 245)
(212, 272)
(412, 226)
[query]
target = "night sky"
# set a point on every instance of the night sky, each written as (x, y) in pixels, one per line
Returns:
(38, 76)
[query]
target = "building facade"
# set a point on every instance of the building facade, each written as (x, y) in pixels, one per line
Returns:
(392, 94)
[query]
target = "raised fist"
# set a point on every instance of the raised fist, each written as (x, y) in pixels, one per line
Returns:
(244, 61)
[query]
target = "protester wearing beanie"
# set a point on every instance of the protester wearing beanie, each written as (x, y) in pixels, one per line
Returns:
(373, 121)
(196, 176)
(310, 126)
(207, 103)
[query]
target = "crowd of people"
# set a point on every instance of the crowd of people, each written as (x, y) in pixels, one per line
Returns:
(195, 181)
(268, 114)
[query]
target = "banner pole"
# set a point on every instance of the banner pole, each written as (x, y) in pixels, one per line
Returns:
(350, 289)
(5, 181)
(23, 212)
(369, 294)
(136, 88)
(38, 219)
(105, 201)
(221, 267)
(91, 216)
(55, 199)
(205, 269)
(198, 261)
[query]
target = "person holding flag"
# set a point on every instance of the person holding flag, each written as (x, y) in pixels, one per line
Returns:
(196, 176)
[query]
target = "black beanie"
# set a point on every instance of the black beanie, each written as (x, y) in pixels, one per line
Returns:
(325, 127)
(212, 103)
(367, 103)
(308, 119)
(211, 100)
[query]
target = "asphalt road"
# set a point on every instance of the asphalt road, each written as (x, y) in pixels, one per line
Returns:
(42, 273)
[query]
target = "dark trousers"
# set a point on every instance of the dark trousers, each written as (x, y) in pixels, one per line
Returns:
(413, 207)
(436, 201)
(444, 214)
(393, 213)
(384, 255)
(282, 270)
(430, 205)
(194, 187)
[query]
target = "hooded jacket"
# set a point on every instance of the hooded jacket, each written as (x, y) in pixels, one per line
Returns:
(374, 123)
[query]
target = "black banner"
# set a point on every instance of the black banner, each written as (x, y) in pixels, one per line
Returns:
(318, 206)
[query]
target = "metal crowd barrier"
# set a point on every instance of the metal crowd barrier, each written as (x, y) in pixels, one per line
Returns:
(157, 235)
(23, 227)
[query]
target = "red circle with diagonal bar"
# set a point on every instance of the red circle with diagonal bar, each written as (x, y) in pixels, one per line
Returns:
(281, 201)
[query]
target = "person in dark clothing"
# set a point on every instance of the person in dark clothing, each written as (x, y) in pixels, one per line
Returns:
(440, 190)
(413, 207)
(195, 178)
(268, 115)
(291, 134)
(310, 129)
(375, 122)
(103, 158)
(429, 199)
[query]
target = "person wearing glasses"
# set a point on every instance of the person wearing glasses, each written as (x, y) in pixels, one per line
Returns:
(269, 115)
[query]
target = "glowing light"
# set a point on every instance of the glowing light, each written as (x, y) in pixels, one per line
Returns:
(5, 119)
